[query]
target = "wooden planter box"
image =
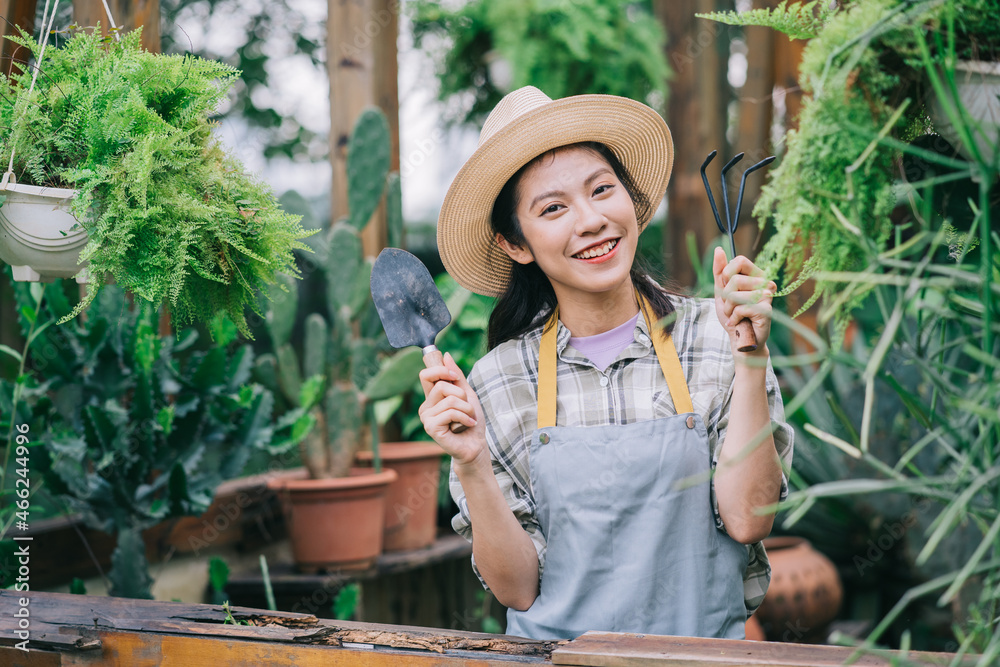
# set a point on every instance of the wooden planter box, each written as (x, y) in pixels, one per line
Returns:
(244, 512)
(62, 629)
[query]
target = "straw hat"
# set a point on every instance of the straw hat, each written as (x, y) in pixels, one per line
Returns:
(525, 124)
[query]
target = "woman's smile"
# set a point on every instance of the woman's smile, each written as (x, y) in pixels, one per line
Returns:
(598, 253)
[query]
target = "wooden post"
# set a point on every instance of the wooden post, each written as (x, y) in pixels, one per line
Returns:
(14, 14)
(756, 115)
(19, 13)
(361, 60)
(128, 14)
(696, 115)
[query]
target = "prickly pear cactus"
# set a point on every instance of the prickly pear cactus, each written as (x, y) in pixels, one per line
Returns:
(368, 158)
(342, 348)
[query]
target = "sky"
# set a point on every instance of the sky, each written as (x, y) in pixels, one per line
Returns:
(430, 156)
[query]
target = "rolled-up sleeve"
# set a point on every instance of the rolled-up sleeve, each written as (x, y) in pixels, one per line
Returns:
(519, 503)
(503, 398)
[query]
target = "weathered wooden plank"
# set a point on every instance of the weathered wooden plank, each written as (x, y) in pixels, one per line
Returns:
(71, 623)
(136, 650)
(12, 657)
(611, 649)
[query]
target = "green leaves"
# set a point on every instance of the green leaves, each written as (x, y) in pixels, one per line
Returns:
(170, 215)
(562, 48)
(798, 21)
(396, 376)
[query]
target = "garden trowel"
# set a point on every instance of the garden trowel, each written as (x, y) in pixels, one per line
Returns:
(410, 306)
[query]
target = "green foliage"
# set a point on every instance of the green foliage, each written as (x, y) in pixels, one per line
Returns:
(230, 619)
(799, 21)
(132, 428)
(902, 426)
(218, 577)
(346, 603)
(171, 216)
(833, 192)
(562, 48)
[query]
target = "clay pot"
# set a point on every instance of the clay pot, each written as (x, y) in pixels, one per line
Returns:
(754, 632)
(805, 591)
(335, 524)
(412, 500)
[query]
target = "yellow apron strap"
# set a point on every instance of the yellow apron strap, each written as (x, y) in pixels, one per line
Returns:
(547, 372)
(670, 363)
(666, 354)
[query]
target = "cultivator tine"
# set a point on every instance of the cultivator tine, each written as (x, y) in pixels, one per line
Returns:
(708, 190)
(730, 223)
(743, 184)
(744, 329)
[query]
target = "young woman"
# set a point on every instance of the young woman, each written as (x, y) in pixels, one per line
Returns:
(584, 479)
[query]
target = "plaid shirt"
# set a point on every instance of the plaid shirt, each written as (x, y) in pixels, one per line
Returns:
(506, 378)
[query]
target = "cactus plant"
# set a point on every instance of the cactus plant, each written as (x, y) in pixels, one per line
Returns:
(345, 366)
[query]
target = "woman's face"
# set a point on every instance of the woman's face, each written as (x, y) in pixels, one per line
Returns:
(578, 222)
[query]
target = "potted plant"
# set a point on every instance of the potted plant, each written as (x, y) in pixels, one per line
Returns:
(120, 140)
(875, 70)
(346, 368)
(130, 428)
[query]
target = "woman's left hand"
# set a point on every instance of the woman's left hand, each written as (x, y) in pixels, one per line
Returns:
(742, 291)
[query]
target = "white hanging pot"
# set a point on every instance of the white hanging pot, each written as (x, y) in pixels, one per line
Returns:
(978, 84)
(39, 237)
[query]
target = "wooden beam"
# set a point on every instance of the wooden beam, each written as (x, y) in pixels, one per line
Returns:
(696, 116)
(613, 649)
(15, 13)
(361, 62)
(756, 109)
(127, 15)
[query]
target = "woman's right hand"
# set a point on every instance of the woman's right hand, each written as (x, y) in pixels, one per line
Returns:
(449, 398)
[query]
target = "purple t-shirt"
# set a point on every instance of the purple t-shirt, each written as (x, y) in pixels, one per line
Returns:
(603, 348)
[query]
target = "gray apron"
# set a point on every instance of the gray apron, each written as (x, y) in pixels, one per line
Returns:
(628, 548)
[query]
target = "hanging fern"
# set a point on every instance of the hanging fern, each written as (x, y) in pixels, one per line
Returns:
(171, 216)
(798, 21)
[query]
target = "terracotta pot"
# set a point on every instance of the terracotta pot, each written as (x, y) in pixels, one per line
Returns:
(805, 591)
(754, 632)
(335, 524)
(411, 504)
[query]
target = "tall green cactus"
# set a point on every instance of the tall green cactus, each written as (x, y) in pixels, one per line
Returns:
(344, 365)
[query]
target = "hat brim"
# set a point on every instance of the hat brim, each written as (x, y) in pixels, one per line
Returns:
(637, 135)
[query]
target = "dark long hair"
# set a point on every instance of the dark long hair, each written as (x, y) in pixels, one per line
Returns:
(529, 296)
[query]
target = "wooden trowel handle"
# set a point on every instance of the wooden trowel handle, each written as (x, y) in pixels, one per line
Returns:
(432, 358)
(746, 340)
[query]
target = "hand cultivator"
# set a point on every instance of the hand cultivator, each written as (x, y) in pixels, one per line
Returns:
(744, 330)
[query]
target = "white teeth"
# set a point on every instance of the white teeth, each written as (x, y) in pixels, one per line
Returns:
(598, 251)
